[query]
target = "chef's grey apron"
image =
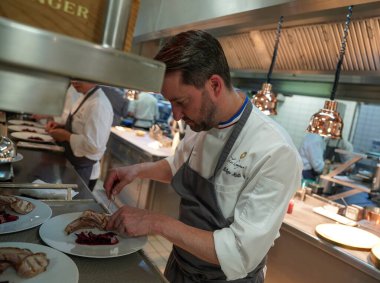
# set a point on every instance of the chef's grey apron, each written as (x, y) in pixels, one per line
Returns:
(199, 208)
(82, 165)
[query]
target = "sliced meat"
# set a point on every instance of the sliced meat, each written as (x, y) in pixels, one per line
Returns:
(22, 206)
(88, 219)
(32, 265)
(14, 255)
(16, 204)
(4, 265)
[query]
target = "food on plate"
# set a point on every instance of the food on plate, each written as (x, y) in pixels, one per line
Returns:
(29, 130)
(16, 204)
(26, 124)
(89, 238)
(26, 263)
(5, 217)
(35, 138)
(139, 133)
(88, 219)
(32, 265)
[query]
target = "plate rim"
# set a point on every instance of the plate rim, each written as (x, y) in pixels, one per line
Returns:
(20, 127)
(31, 140)
(34, 223)
(46, 223)
(341, 244)
(20, 122)
(18, 157)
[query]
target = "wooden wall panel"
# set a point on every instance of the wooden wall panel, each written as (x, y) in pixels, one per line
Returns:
(82, 19)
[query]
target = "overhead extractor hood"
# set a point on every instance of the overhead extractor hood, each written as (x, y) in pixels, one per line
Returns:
(309, 46)
(36, 67)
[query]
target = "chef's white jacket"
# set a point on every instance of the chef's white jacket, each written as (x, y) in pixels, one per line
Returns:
(311, 152)
(145, 110)
(71, 96)
(253, 187)
(91, 128)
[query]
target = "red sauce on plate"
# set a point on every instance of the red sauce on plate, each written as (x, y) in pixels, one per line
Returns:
(5, 217)
(89, 238)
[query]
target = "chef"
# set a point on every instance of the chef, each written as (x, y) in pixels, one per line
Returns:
(145, 110)
(86, 131)
(311, 151)
(235, 172)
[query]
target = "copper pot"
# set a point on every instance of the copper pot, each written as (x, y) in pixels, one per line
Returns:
(372, 214)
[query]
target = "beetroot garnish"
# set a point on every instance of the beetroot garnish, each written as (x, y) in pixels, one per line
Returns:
(89, 238)
(5, 217)
(29, 130)
(35, 138)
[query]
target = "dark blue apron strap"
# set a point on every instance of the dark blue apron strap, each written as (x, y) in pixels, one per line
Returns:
(234, 135)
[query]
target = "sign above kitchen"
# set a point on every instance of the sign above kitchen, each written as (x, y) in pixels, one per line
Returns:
(82, 19)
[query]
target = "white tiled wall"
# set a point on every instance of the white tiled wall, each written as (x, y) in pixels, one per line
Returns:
(367, 128)
(295, 112)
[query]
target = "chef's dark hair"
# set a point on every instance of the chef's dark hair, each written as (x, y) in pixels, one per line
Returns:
(198, 55)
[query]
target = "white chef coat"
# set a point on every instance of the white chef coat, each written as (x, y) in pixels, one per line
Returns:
(91, 128)
(311, 152)
(71, 96)
(145, 108)
(254, 186)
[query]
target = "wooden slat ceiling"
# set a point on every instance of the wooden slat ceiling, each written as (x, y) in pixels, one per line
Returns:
(307, 48)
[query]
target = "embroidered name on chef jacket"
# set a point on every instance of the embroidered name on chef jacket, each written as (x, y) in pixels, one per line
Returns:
(234, 167)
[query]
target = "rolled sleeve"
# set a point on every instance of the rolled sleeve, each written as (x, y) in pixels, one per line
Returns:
(228, 254)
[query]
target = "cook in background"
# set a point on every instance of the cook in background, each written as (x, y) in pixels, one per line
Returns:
(235, 172)
(311, 152)
(118, 103)
(71, 96)
(335, 157)
(144, 110)
(86, 131)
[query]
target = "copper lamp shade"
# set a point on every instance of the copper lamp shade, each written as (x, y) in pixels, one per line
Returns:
(327, 122)
(266, 100)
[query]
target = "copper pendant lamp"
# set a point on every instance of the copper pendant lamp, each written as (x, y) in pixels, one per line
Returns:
(327, 122)
(265, 99)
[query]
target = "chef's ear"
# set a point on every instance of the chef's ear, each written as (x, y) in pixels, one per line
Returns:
(216, 84)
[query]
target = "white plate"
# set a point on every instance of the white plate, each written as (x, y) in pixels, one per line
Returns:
(14, 159)
(26, 136)
(19, 128)
(60, 266)
(37, 216)
(347, 236)
(52, 233)
(26, 123)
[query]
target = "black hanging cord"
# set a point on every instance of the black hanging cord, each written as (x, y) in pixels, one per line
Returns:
(275, 49)
(342, 51)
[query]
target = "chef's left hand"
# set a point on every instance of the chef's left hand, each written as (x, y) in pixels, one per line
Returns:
(132, 221)
(60, 135)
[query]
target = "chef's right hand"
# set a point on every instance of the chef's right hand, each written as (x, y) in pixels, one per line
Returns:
(51, 125)
(118, 178)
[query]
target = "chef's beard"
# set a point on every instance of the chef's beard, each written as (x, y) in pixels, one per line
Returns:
(207, 113)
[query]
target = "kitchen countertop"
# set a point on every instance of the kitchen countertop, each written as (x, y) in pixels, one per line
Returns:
(145, 143)
(302, 222)
(50, 167)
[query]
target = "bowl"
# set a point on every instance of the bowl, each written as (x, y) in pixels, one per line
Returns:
(7, 150)
(372, 214)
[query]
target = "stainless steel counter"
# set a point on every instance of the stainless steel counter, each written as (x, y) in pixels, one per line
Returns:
(300, 256)
(51, 167)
